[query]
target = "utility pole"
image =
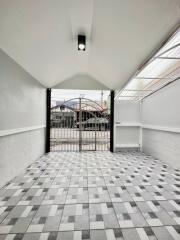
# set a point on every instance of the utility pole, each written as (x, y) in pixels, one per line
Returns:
(102, 98)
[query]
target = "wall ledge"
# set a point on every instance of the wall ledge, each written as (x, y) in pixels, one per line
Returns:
(19, 130)
(161, 128)
(128, 124)
(147, 126)
(127, 145)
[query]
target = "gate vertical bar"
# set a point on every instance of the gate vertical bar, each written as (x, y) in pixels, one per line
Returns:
(112, 123)
(48, 119)
(80, 126)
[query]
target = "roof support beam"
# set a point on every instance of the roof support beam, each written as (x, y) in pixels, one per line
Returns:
(169, 49)
(153, 78)
(168, 58)
(138, 90)
(130, 96)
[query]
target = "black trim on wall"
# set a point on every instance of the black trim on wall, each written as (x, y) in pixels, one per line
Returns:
(48, 119)
(112, 123)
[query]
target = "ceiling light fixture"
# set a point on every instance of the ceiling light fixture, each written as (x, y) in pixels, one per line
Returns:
(81, 42)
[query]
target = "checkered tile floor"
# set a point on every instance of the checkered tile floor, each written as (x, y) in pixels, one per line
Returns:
(92, 195)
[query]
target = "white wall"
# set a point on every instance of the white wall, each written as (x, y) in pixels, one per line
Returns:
(163, 107)
(127, 111)
(83, 82)
(162, 111)
(22, 107)
(127, 122)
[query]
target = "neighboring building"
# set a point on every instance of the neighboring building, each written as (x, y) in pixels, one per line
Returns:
(67, 114)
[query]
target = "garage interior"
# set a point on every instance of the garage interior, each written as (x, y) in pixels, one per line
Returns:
(131, 190)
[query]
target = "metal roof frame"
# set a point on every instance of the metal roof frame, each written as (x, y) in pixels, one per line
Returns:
(162, 79)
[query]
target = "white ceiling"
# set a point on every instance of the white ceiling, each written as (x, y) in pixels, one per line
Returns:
(41, 36)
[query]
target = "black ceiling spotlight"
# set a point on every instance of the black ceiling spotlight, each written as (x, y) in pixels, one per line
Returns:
(81, 42)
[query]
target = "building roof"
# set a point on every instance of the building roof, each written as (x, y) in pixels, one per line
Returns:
(41, 36)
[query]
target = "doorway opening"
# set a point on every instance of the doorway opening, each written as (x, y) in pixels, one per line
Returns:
(80, 120)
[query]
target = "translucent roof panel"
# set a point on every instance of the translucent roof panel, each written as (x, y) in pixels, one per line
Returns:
(161, 69)
(127, 98)
(173, 53)
(158, 68)
(174, 40)
(138, 84)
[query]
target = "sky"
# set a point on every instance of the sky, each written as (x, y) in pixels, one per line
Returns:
(64, 94)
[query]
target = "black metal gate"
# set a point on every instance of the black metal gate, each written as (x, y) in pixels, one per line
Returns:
(80, 124)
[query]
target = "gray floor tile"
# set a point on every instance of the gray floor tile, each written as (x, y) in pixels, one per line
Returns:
(98, 235)
(162, 233)
(21, 225)
(52, 224)
(92, 195)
